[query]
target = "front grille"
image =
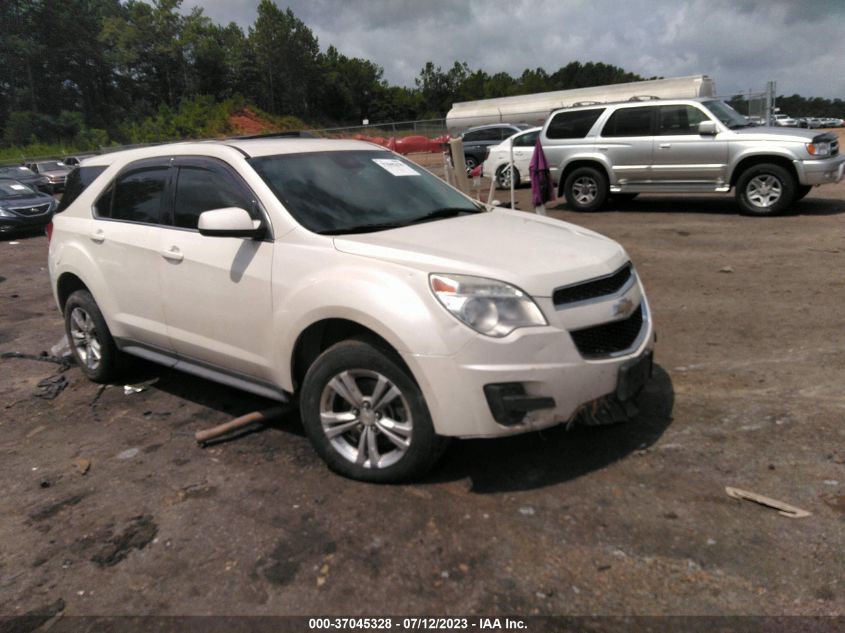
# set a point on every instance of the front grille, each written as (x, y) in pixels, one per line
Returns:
(593, 288)
(609, 338)
(37, 210)
(834, 148)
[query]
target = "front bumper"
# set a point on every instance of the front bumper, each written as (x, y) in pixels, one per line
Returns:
(820, 171)
(544, 361)
(19, 223)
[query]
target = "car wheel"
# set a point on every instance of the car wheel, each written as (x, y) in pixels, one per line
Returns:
(471, 163)
(765, 189)
(585, 189)
(366, 417)
(503, 177)
(801, 191)
(90, 341)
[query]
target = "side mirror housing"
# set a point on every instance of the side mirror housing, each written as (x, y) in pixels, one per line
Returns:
(230, 222)
(707, 128)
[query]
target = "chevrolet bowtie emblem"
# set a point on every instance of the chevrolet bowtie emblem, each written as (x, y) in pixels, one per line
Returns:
(623, 308)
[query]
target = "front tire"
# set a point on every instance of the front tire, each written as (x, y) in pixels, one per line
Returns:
(765, 189)
(585, 189)
(90, 341)
(366, 417)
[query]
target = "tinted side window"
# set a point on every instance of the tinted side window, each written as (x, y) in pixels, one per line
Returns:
(573, 124)
(526, 140)
(490, 134)
(199, 190)
(103, 204)
(679, 119)
(76, 183)
(137, 195)
(629, 122)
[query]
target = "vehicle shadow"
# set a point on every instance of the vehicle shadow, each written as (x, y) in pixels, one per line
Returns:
(709, 204)
(546, 458)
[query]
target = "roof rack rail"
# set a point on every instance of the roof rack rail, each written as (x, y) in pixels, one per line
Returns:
(578, 104)
(644, 98)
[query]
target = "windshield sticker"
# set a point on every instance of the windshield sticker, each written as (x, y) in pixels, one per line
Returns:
(18, 187)
(395, 167)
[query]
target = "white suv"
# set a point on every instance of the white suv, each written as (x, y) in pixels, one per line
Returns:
(400, 311)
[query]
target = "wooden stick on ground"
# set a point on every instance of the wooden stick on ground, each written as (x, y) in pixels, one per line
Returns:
(238, 423)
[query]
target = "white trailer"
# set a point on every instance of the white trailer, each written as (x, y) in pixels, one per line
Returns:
(533, 109)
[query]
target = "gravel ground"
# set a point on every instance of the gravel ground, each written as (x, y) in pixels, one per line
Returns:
(110, 507)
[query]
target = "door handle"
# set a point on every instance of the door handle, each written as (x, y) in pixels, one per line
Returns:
(173, 254)
(98, 236)
(665, 146)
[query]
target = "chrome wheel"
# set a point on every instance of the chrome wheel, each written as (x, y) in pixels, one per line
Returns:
(585, 190)
(503, 177)
(764, 190)
(84, 337)
(366, 418)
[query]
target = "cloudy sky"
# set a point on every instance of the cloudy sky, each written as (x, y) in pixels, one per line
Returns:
(740, 43)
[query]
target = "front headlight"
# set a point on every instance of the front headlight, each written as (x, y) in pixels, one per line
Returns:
(489, 307)
(5, 214)
(818, 149)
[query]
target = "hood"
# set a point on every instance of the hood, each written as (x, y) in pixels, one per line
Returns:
(26, 201)
(532, 252)
(781, 134)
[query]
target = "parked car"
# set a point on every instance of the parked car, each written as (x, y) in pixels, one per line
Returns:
(23, 208)
(26, 176)
(478, 140)
(341, 273)
(684, 146)
(55, 172)
(497, 164)
(784, 120)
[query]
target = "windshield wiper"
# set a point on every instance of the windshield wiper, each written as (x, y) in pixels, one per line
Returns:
(363, 228)
(439, 214)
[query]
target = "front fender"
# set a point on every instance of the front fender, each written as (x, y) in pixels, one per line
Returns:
(393, 302)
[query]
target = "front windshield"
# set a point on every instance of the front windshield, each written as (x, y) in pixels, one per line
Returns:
(16, 172)
(13, 189)
(358, 191)
(726, 114)
(52, 166)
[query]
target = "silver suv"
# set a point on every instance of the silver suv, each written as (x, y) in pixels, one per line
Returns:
(684, 146)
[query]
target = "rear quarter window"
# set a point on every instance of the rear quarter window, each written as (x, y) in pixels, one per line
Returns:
(573, 124)
(77, 181)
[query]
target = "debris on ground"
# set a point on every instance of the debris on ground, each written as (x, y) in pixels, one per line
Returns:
(61, 349)
(129, 453)
(726, 269)
(140, 532)
(51, 386)
(43, 357)
(138, 387)
(82, 465)
(256, 417)
(783, 508)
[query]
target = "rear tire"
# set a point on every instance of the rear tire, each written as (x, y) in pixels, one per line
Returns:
(90, 341)
(765, 189)
(503, 180)
(585, 189)
(366, 417)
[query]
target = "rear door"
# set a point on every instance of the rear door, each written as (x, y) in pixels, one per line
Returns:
(626, 140)
(217, 290)
(682, 157)
(124, 243)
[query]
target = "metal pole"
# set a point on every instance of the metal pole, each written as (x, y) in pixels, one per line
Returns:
(510, 166)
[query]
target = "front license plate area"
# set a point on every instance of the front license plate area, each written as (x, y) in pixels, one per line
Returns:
(633, 376)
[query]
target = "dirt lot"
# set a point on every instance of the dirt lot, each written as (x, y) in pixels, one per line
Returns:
(631, 519)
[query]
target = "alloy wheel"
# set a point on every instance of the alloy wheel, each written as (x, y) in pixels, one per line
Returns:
(366, 418)
(585, 190)
(764, 190)
(84, 336)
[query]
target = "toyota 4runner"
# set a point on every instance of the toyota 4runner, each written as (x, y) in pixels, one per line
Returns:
(684, 146)
(398, 310)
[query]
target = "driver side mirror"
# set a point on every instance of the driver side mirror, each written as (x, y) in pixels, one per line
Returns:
(230, 222)
(707, 128)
